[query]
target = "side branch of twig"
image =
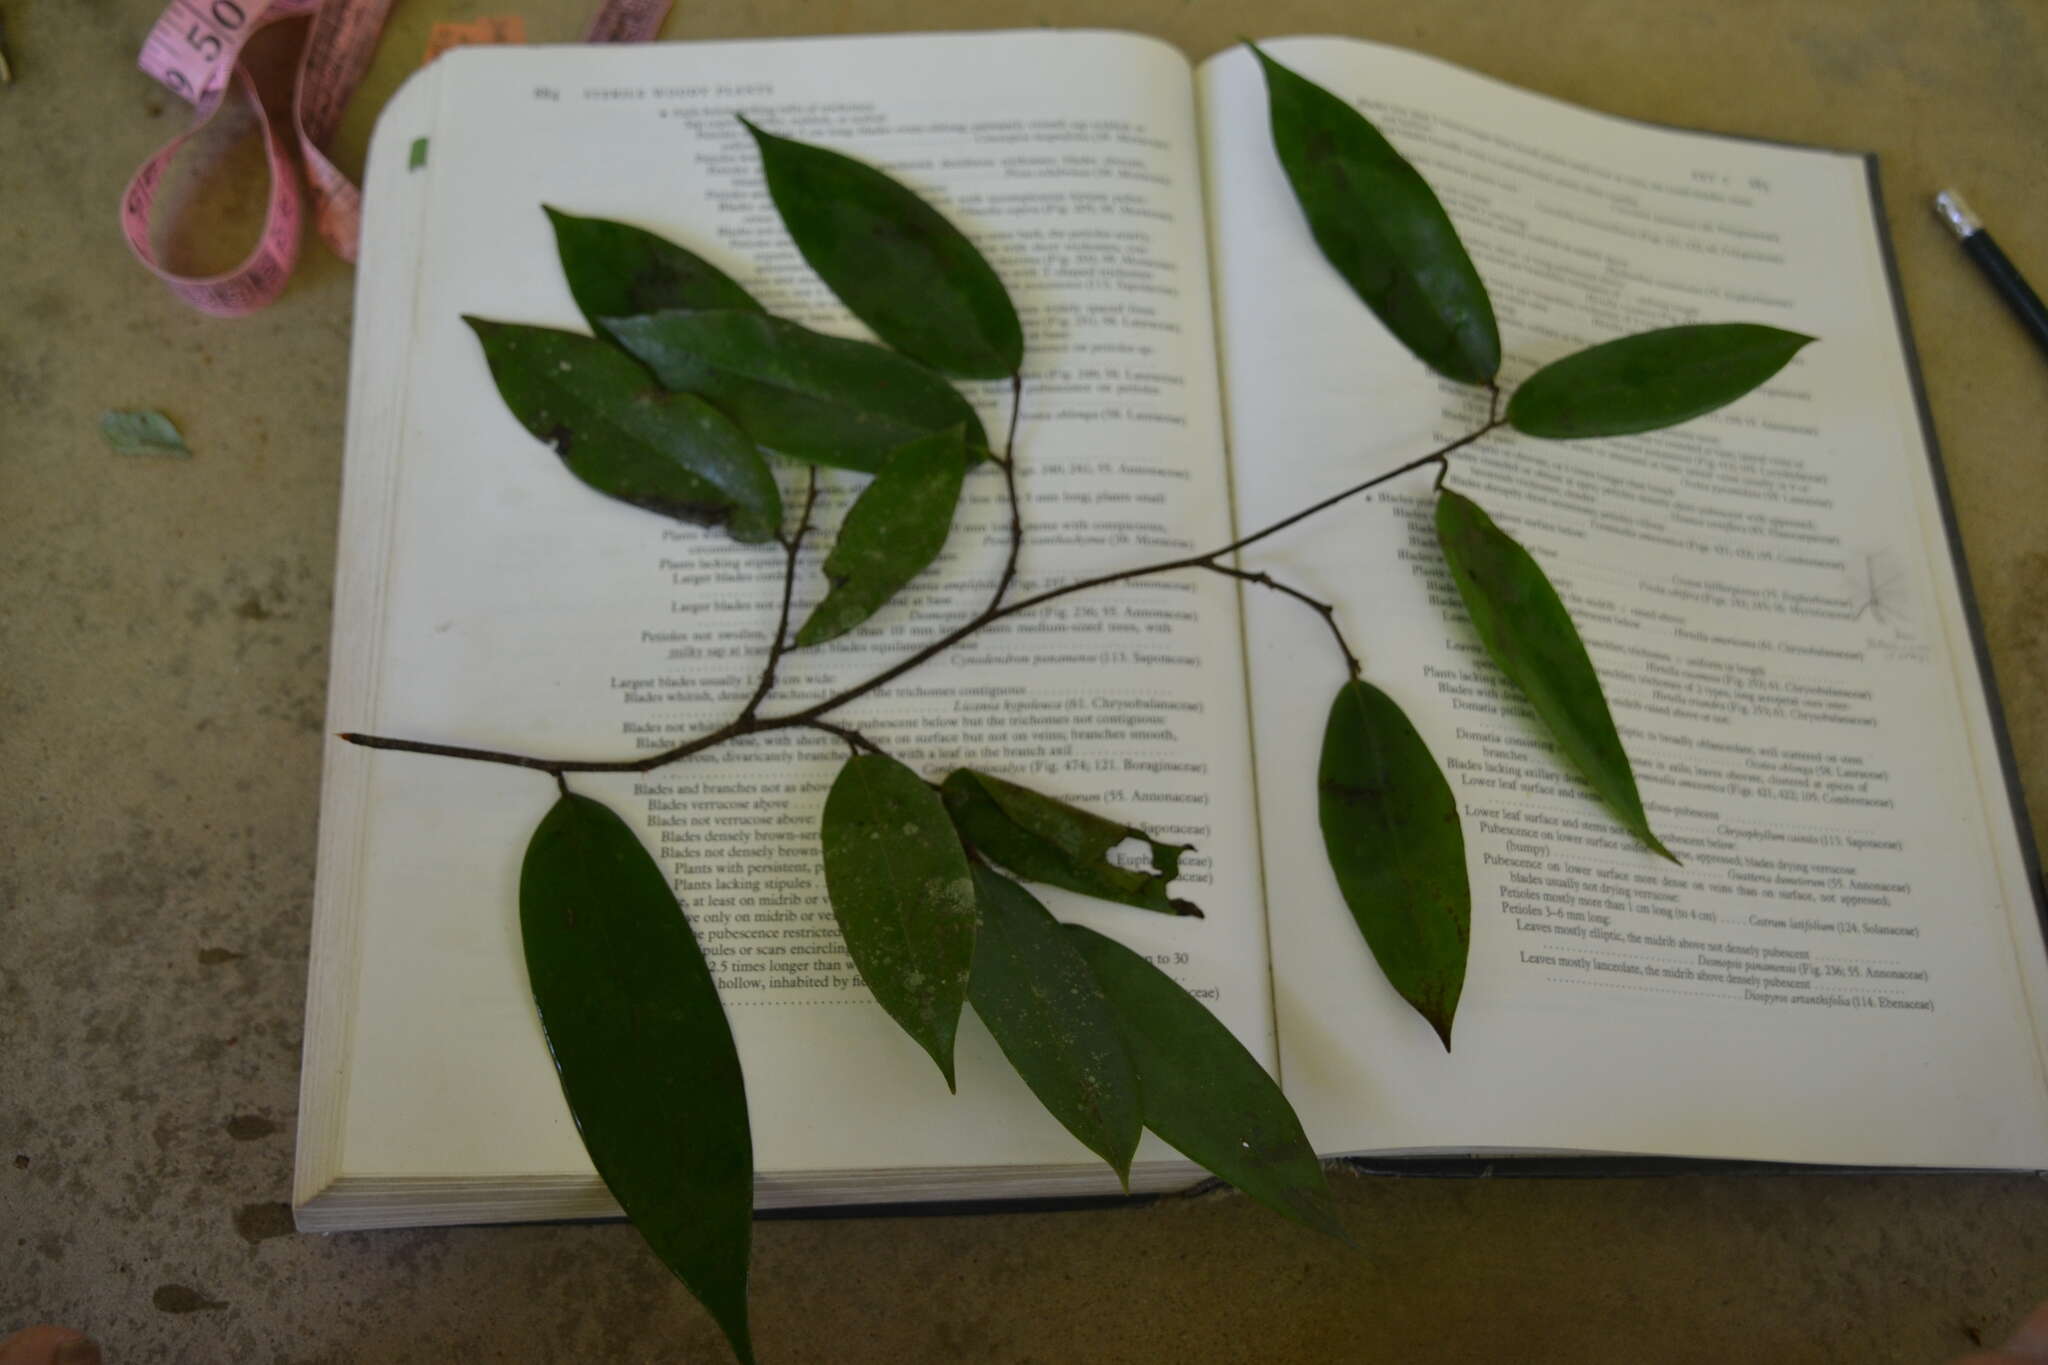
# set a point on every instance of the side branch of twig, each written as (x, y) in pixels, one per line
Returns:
(855, 740)
(1324, 609)
(777, 647)
(994, 613)
(1440, 455)
(1009, 467)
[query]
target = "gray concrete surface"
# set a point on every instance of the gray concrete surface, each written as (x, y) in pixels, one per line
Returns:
(163, 631)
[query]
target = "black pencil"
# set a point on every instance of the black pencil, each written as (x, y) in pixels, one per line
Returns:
(2003, 274)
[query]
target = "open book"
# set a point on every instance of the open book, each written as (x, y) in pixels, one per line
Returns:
(1848, 969)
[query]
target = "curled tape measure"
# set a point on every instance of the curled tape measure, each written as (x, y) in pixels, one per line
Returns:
(194, 51)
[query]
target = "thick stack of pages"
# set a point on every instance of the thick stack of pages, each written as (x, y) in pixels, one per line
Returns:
(1849, 968)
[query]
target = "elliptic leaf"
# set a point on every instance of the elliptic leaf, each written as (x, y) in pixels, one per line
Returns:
(1650, 380)
(894, 260)
(903, 893)
(616, 270)
(822, 399)
(1201, 1091)
(1529, 635)
(1380, 225)
(1044, 840)
(624, 436)
(894, 529)
(643, 1048)
(1390, 828)
(1042, 1005)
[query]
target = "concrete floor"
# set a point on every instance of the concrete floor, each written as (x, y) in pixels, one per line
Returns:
(163, 626)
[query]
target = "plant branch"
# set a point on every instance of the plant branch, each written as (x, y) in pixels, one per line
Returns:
(555, 767)
(780, 644)
(1326, 610)
(810, 716)
(1441, 455)
(1009, 464)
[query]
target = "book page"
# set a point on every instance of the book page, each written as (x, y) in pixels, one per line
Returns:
(1836, 972)
(520, 611)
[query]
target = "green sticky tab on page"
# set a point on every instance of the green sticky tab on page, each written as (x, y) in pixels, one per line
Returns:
(418, 158)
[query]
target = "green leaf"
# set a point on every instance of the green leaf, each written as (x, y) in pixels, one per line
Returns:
(894, 260)
(615, 270)
(822, 399)
(627, 438)
(1379, 224)
(903, 893)
(894, 529)
(1527, 631)
(1650, 380)
(143, 432)
(1201, 1091)
(643, 1048)
(1044, 840)
(1390, 829)
(1042, 1005)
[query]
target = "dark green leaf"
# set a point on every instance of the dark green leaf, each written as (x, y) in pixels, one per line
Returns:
(826, 400)
(894, 529)
(1650, 380)
(894, 260)
(1044, 840)
(1390, 828)
(1201, 1091)
(645, 1054)
(1530, 636)
(1043, 1007)
(143, 432)
(904, 897)
(615, 270)
(624, 436)
(1379, 224)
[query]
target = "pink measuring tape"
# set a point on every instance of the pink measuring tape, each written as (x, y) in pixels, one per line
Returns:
(194, 51)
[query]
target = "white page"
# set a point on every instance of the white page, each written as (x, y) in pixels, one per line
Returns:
(519, 611)
(1768, 596)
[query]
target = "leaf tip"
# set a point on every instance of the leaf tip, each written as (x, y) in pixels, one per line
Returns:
(1656, 846)
(1318, 1213)
(1186, 909)
(1440, 1020)
(809, 633)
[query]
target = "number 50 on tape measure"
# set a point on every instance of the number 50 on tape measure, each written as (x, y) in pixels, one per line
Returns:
(194, 50)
